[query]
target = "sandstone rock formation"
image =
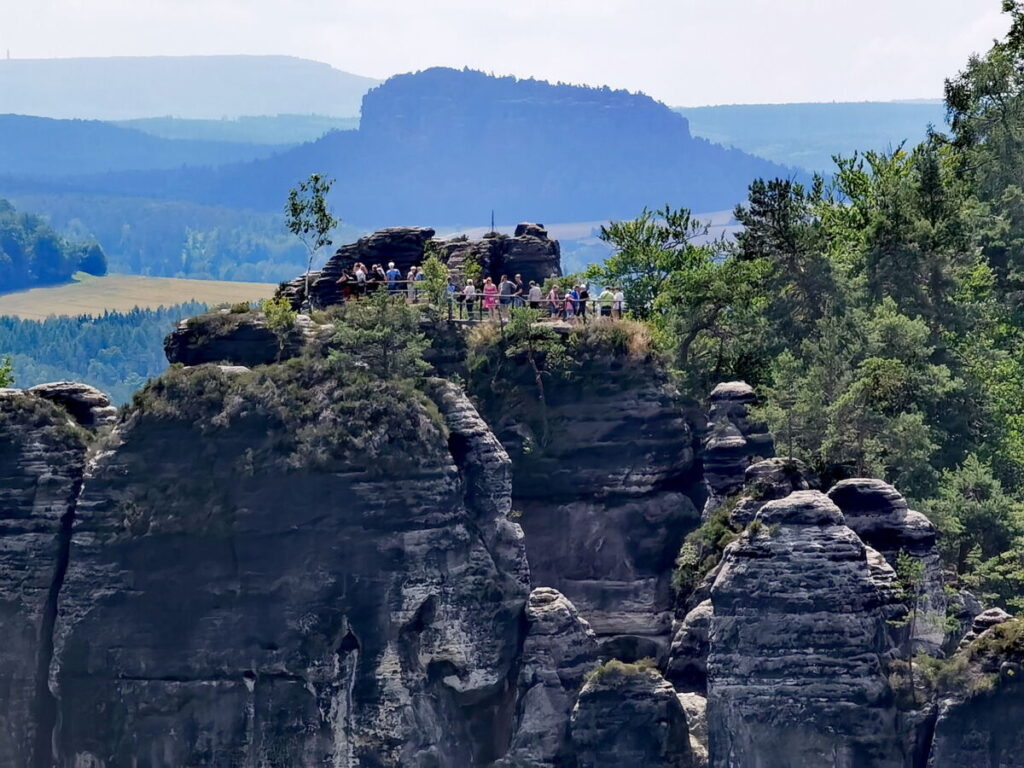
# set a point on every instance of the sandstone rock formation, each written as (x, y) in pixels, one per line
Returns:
(529, 252)
(768, 480)
(559, 650)
(87, 405)
(238, 338)
(733, 442)
(630, 716)
(221, 609)
(607, 502)
(881, 518)
(979, 723)
(42, 459)
(796, 642)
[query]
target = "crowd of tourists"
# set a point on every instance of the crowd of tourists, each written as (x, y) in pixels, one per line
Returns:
(490, 299)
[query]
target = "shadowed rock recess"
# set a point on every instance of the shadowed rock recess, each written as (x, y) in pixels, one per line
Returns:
(272, 560)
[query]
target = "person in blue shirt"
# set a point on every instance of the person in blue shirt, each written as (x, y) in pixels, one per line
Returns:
(574, 294)
(393, 276)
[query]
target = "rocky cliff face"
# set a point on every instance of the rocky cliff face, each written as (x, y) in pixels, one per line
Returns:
(42, 459)
(223, 609)
(796, 641)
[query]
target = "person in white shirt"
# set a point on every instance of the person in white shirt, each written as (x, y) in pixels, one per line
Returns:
(533, 296)
(469, 295)
(619, 305)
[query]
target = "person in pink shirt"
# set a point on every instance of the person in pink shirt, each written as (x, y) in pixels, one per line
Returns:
(490, 298)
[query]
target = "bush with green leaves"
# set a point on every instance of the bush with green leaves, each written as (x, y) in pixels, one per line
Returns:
(381, 335)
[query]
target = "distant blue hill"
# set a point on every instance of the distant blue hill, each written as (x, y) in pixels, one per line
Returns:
(202, 87)
(445, 147)
(259, 129)
(808, 135)
(39, 146)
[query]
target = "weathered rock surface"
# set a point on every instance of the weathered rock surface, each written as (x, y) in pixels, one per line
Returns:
(768, 480)
(41, 465)
(983, 622)
(559, 650)
(220, 609)
(696, 708)
(688, 656)
(241, 339)
(87, 405)
(605, 504)
(630, 717)
(530, 253)
(980, 724)
(796, 640)
(733, 442)
(879, 514)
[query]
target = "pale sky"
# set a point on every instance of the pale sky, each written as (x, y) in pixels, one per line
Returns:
(683, 52)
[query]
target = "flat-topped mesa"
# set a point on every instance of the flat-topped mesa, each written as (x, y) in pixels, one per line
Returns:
(530, 252)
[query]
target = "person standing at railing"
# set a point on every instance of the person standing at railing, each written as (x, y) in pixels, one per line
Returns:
(490, 298)
(570, 307)
(553, 301)
(345, 285)
(519, 296)
(605, 301)
(533, 296)
(410, 285)
(378, 278)
(506, 292)
(392, 276)
(360, 276)
(584, 299)
(469, 296)
(619, 305)
(418, 278)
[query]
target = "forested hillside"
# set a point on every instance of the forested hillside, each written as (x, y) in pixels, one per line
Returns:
(267, 129)
(38, 146)
(880, 314)
(32, 253)
(115, 352)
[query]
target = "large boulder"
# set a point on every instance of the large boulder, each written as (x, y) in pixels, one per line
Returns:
(42, 461)
(559, 650)
(530, 253)
(260, 573)
(630, 715)
(796, 641)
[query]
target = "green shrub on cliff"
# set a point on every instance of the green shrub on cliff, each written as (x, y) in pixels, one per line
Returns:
(616, 672)
(6, 372)
(380, 335)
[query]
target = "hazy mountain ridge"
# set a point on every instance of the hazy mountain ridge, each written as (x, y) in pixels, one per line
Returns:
(122, 88)
(808, 135)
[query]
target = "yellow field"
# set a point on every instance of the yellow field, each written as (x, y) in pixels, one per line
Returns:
(94, 295)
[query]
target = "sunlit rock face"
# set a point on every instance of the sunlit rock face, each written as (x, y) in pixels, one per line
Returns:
(222, 608)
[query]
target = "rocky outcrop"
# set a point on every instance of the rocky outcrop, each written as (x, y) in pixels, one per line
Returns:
(87, 405)
(688, 656)
(880, 516)
(42, 458)
(983, 622)
(243, 339)
(768, 480)
(560, 648)
(628, 715)
(225, 607)
(733, 442)
(979, 721)
(796, 641)
(530, 252)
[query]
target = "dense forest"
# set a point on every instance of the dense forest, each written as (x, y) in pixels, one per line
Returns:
(116, 352)
(880, 314)
(32, 253)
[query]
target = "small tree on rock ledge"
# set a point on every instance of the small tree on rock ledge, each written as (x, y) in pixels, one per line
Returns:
(309, 218)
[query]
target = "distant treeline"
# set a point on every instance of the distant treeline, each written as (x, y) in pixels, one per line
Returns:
(115, 352)
(32, 253)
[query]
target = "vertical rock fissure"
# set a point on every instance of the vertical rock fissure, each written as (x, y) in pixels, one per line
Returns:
(45, 703)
